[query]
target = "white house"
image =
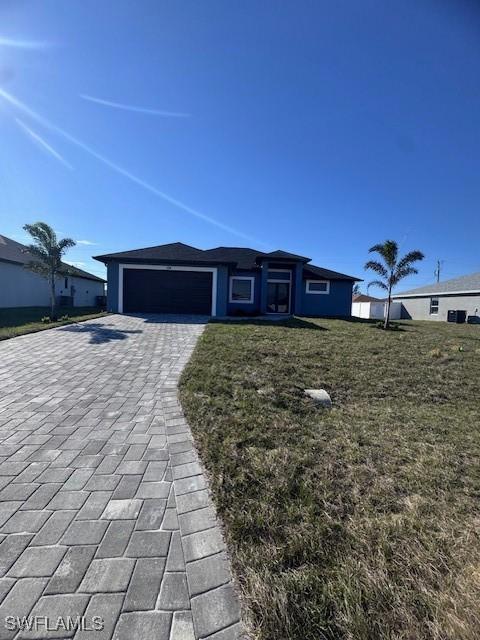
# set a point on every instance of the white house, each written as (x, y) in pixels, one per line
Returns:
(371, 308)
(20, 287)
(457, 300)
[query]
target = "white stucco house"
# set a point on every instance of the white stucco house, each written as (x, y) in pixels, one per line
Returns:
(371, 308)
(455, 300)
(20, 287)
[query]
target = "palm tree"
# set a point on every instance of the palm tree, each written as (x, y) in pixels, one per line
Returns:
(392, 270)
(47, 252)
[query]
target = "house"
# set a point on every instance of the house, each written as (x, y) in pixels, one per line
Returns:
(20, 287)
(364, 306)
(178, 278)
(435, 301)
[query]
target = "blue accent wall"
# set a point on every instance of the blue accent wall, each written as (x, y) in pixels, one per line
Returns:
(112, 287)
(298, 287)
(263, 287)
(279, 275)
(337, 303)
(253, 307)
(222, 291)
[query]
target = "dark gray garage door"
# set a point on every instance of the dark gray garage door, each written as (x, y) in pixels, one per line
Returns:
(158, 291)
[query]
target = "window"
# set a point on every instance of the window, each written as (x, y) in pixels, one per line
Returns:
(66, 283)
(318, 286)
(433, 306)
(241, 289)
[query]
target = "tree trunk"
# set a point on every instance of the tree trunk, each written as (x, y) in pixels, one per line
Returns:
(387, 312)
(52, 296)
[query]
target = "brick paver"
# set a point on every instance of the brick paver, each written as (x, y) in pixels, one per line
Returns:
(104, 507)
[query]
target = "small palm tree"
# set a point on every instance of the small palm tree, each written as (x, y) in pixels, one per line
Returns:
(48, 252)
(392, 270)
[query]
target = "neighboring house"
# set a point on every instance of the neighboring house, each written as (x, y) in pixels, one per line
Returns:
(20, 287)
(364, 306)
(434, 301)
(177, 278)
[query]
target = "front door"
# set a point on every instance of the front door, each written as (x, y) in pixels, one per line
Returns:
(278, 297)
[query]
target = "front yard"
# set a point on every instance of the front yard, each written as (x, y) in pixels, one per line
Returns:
(362, 522)
(21, 320)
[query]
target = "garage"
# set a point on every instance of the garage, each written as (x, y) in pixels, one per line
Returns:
(167, 291)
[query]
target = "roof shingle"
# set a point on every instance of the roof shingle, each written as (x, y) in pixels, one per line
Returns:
(469, 283)
(241, 257)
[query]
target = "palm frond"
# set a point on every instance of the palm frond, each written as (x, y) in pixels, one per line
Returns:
(48, 232)
(65, 243)
(38, 252)
(377, 283)
(400, 274)
(409, 258)
(42, 234)
(388, 250)
(376, 266)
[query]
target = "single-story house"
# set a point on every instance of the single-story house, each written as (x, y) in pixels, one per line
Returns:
(178, 278)
(20, 287)
(364, 306)
(435, 301)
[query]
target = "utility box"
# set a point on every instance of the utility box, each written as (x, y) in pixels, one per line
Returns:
(457, 315)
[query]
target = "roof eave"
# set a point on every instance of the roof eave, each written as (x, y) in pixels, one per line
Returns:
(133, 260)
(429, 294)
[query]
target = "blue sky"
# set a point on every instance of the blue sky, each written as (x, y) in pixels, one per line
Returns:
(319, 127)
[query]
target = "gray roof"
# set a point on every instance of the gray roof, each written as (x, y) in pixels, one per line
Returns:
(463, 284)
(17, 253)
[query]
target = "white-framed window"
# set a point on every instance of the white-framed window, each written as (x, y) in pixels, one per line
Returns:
(318, 286)
(433, 306)
(241, 289)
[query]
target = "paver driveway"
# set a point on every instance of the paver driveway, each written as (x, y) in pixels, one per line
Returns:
(103, 505)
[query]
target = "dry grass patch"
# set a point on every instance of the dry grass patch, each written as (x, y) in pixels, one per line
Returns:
(357, 523)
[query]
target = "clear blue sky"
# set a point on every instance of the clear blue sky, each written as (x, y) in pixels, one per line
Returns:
(319, 127)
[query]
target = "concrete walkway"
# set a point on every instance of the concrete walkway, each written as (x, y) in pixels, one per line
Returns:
(104, 511)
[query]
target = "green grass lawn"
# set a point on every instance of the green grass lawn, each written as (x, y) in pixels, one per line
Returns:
(21, 320)
(362, 522)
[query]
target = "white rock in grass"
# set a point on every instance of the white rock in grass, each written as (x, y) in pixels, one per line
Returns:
(319, 396)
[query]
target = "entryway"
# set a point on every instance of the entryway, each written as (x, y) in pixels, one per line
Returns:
(278, 297)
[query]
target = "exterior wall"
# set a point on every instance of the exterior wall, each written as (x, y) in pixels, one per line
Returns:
(222, 291)
(298, 288)
(419, 308)
(20, 287)
(395, 310)
(376, 310)
(86, 291)
(246, 307)
(113, 284)
(263, 286)
(336, 303)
